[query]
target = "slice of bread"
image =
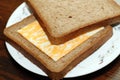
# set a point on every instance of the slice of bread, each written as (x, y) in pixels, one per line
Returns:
(57, 15)
(55, 69)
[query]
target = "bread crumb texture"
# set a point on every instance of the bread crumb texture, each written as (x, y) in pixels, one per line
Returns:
(65, 16)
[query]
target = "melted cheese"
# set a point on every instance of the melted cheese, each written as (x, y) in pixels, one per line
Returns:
(34, 33)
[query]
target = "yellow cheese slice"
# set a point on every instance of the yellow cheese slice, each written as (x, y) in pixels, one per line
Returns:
(34, 33)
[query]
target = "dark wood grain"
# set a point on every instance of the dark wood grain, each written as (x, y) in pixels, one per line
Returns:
(10, 70)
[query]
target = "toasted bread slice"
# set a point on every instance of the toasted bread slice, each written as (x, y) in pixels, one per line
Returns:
(56, 69)
(62, 17)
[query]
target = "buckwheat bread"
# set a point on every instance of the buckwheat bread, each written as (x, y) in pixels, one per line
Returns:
(62, 17)
(56, 69)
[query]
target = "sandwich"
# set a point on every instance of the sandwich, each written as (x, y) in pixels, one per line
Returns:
(58, 53)
(56, 60)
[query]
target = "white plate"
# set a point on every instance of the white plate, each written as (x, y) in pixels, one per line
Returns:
(99, 59)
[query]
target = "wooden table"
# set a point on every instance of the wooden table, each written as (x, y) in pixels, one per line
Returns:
(10, 70)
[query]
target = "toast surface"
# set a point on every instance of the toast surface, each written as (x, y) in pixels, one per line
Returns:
(62, 17)
(57, 69)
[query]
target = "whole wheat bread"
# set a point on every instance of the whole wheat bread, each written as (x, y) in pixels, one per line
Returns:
(62, 17)
(56, 69)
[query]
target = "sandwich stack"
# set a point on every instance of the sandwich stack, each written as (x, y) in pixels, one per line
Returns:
(61, 33)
